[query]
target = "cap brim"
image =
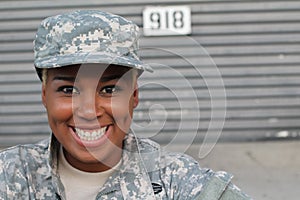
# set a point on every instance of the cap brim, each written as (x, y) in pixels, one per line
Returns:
(91, 58)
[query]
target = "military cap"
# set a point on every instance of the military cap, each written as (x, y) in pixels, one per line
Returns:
(87, 36)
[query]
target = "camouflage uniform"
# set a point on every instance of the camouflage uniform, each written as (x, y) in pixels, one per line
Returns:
(87, 37)
(31, 171)
(147, 172)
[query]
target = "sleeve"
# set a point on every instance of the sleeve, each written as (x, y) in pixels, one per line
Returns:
(191, 182)
(233, 193)
(186, 178)
(11, 175)
(3, 182)
(219, 186)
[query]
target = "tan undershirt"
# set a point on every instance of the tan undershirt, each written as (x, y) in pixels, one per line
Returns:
(79, 184)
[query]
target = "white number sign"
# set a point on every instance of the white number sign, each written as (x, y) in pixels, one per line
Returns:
(169, 20)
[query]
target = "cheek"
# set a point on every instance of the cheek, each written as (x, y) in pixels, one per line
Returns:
(59, 110)
(122, 113)
(122, 108)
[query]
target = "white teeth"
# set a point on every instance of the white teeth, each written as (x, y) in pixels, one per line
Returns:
(90, 136)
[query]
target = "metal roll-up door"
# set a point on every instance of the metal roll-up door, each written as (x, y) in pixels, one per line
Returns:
(253, 44)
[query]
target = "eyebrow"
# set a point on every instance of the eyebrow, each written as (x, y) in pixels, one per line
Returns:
(72, 79)
(109, 78)
(64, 78)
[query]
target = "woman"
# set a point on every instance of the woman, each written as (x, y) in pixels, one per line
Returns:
(88, 64)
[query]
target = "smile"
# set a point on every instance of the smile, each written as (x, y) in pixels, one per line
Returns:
(90, 135)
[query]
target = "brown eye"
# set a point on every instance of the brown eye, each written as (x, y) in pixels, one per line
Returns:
(69, 90)
(110, 90)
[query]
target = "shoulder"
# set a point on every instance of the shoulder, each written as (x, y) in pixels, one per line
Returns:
(165, 160)
(184, 178)
(152, 151)
(19, 165)
(184, 169)
(179, 173)
(18, 149)
(20, 154)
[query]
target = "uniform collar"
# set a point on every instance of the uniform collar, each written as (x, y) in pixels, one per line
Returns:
(132, 177)
(139, 157)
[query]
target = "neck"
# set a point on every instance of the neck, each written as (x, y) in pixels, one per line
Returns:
(95, 166)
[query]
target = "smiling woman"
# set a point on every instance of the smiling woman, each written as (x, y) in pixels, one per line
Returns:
(88, 63)
(89, 111)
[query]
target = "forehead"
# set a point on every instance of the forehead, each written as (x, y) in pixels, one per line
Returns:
(90, 70)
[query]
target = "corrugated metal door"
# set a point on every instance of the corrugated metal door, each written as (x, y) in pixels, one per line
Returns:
(249, 48)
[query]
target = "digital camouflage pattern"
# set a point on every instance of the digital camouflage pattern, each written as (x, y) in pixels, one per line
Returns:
(87, 36)
(147, 172)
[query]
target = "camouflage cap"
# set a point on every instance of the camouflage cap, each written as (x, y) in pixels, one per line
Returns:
(87, 36)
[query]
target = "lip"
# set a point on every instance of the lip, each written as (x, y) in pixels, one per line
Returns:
(90, 144)
(83, 127)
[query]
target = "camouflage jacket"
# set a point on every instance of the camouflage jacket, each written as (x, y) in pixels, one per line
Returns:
(30, 172)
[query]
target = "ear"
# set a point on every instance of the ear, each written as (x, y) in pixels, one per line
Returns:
(44, 95)
(135, 96)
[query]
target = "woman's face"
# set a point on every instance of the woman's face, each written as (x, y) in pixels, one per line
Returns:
(89, 111)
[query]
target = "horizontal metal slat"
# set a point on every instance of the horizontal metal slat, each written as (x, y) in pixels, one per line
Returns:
(14, 139)
(228, 103)
(220, 93)
(186, 70)
(25, 129)
(16, 57)
(231, 50)
(77, 3)
(185, 82)
(231, 114)
(226, 60)
(263, 16)
(22, 119)
(206, 6)
(24, 88)
(17, 98)
(282, 27)
(22, 109)
(158, 126)
(218, 40)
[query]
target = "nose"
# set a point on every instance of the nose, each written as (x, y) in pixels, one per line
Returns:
(88, 107)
